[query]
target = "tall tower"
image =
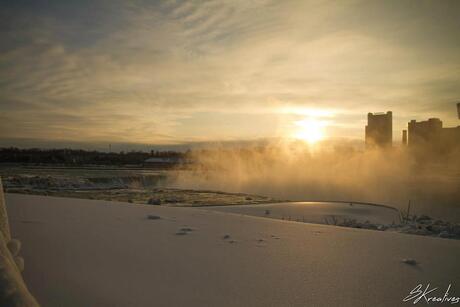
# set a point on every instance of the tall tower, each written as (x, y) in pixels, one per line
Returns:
(379, 129)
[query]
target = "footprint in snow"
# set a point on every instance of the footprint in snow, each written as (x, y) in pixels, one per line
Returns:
(227, 238)
(261, 243)
(409, 261)
(183, 231)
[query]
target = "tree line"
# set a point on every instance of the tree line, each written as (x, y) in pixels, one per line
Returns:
(79, 157)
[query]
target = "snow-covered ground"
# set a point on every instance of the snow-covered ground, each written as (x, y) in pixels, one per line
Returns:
(99, 253)
(68, 179)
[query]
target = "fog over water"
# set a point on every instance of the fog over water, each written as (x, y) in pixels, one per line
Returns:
(296, 171)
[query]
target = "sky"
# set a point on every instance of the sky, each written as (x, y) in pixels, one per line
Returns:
(178, 72)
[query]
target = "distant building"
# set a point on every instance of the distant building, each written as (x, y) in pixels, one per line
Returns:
(424, 132)
(430, 134)
(404, 137)
(458, 109)
(379, 129)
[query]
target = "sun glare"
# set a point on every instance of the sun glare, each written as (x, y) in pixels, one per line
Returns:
(310, 130)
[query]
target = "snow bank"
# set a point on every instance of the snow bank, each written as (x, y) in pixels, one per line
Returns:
(111, 254)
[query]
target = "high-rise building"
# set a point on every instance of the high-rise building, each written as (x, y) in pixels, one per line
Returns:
(404, 137)
(424, 132)
(379, 129)
(430, 135)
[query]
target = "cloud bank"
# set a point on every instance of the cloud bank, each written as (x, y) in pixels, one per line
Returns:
(171, 72)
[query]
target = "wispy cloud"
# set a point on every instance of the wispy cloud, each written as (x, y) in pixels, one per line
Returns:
(156, 72)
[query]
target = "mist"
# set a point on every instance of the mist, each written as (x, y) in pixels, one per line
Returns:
(291, 170)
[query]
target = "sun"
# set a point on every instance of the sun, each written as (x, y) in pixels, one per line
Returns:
(310, 130)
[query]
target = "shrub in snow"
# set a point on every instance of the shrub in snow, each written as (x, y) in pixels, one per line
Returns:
(423, 219)
(444, 234)
(154, 201)
(153, 217)
(456, 230)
